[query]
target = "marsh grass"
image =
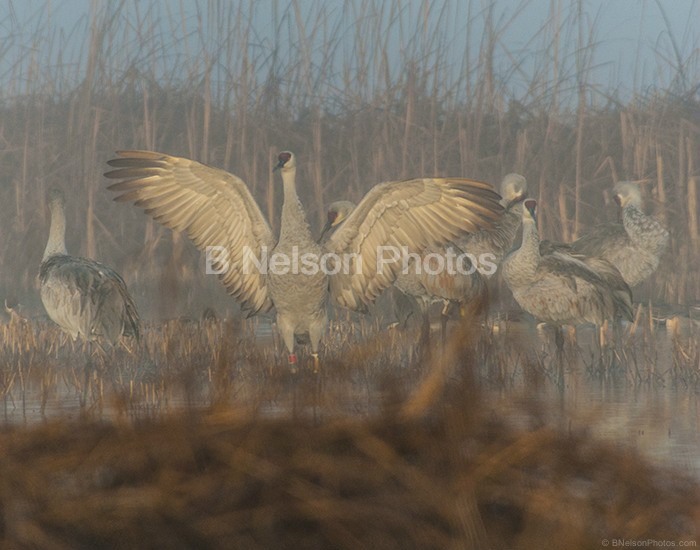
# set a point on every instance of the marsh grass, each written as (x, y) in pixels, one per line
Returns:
(211, 363)
(215, 446)
(197, 435)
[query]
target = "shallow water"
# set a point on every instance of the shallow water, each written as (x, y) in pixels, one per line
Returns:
(647, 404)
(662, 423)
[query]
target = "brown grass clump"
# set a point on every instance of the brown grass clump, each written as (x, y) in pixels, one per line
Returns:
(437, 469)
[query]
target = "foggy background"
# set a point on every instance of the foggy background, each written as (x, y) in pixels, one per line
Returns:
(574, 95)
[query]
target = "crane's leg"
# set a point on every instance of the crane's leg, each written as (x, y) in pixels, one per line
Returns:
(559, 342)
(603, 335)
(402, 306)
(91, 349)
(444, 317)
(316, 330)
(425, 328)
(287, 331)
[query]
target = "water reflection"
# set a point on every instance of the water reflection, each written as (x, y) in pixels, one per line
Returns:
(661, 422)
(642, 393)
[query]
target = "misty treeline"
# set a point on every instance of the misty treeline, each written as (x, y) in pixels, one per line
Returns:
(362, 93)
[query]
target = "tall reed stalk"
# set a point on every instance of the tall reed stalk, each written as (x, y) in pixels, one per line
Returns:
(364, 92)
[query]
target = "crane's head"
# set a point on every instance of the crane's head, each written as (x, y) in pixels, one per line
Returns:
(627, 193)
(337, 212)
(530, 211)
(287, 161)
(513, 189)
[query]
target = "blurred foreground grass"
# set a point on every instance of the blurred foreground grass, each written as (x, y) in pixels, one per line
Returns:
(200, 438)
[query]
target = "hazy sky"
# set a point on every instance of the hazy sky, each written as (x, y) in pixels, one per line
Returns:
(639, 42)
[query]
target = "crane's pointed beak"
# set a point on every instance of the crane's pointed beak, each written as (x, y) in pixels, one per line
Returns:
(325, 230)
(279, 165)
(531, 206)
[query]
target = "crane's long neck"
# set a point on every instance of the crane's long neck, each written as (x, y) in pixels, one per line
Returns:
(509, 225)
(57, 232)
(643, 230)
(526, 259)
(294, 227)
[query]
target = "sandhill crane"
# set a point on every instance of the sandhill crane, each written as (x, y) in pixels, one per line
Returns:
(634, 246)
(559, 289)
(83, 297)
(438, 274)
(337, 212)
(216, 208)
(487, 247)
(490, 246)
(430, 279)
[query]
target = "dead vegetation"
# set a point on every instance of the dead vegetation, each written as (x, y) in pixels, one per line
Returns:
(197, 437)
(433, 463)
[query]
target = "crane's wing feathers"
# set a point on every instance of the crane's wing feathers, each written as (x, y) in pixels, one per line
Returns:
(407, 216)
(214, 208)
(597, 272)
(601, 238)
(597, 242)
(87, 297)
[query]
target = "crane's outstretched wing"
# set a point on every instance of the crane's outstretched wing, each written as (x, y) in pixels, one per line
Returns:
(215, 209)
(404, 216)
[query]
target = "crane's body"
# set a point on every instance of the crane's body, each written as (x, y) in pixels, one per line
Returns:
(85, 298)
(634, 246)
(560, 289)
(439, 274)
(300, 296)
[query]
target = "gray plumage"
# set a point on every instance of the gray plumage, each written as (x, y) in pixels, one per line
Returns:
(490, 246)
(487, 247)
(430, 280)
(300, 298)
(560, 289)
(428, 283)
(634, 246)
(216, 208)
(83, 297)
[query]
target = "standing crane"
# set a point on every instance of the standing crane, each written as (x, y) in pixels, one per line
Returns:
(83, 297)
(634, 246)
(487, 248)
(431, 281)
(560, 289)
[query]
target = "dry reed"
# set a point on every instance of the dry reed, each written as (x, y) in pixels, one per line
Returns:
(352, 119)
(197, 437)
(434, 466)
